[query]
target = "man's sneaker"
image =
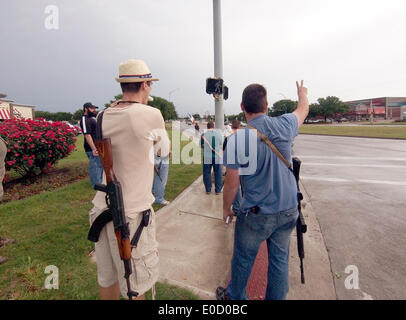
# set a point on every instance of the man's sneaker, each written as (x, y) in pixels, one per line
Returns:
(221, 294)
(165, 202)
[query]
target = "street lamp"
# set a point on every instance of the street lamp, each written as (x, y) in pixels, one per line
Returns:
(172, 91)
(282, 95)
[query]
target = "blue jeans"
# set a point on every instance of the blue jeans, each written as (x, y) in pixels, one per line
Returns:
(158, 187)
(237, 201)
(250, 231)
(218, 184)
(95, 169)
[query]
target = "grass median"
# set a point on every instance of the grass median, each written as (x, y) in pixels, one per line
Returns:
(356, 131)
(51, 229)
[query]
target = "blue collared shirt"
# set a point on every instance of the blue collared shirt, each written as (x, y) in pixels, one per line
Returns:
(265, 180)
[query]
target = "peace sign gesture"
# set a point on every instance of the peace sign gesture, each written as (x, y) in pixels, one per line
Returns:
(301, 90)
(302, 109)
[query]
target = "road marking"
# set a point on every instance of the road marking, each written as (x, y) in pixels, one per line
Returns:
(351, 158)
(353, 165)
(328, 179)
(324, 179)
(396, 183)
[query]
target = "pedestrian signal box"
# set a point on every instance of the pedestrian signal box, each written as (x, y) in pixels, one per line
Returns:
(216, 87)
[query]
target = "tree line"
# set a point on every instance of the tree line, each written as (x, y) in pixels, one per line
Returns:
(329, 107)
(166, 107)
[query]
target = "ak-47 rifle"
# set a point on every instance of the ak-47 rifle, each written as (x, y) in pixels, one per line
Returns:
(115, 212)
(114, 198)
(301, 226)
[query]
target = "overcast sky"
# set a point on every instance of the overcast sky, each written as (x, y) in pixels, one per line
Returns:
(352, 49)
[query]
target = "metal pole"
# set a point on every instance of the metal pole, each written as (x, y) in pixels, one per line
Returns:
(218, 61)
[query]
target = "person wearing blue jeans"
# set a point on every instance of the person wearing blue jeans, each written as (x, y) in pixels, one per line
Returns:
(218, 184)
(88, 126)
(268, 209)
(210, 141)
(235, 126)
(95, 168)
(160, 179)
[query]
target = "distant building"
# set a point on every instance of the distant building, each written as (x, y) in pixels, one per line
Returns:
(9, 109)
(386, 108)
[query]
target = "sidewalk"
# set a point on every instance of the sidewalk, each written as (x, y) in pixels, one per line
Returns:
(195, 248)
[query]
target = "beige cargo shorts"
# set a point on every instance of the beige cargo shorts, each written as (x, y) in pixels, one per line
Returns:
(144, 258)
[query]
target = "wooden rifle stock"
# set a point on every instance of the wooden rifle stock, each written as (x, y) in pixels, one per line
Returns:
(115, 203)
(106, 156)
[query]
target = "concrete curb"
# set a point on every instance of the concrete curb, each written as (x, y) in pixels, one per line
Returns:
(317, 268)
(195, 246)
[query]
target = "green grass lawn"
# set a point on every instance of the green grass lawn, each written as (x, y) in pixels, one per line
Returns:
(51, 229)
(356, 131)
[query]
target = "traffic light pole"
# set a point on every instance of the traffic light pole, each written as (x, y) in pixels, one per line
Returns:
(218, 61)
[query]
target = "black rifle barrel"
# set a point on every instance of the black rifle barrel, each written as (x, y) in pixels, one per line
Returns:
(301, 226)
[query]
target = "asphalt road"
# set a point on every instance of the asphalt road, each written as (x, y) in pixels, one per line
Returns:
(357, 188)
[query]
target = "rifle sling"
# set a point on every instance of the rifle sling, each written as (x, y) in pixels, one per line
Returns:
(272, 147)
(210, 146)
(286, 162)
(106, 216)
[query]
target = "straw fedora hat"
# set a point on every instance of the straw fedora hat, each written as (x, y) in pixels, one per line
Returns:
(134, 71)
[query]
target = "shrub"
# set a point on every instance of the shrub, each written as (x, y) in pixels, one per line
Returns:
(34, 146)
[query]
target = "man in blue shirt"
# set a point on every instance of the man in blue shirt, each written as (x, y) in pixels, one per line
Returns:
(268, 209)
(211, 141)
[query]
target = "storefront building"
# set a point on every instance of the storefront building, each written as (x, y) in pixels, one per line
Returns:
(386, 108)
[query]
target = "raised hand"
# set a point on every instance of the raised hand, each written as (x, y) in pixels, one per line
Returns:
(302, 109)
(301, 90)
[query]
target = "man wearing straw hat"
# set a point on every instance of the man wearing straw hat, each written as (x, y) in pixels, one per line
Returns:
(134, 129)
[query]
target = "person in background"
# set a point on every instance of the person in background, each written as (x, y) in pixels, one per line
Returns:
(197, 128)
(88, 126)
(235, 125)
(161, 169)
(211, 141)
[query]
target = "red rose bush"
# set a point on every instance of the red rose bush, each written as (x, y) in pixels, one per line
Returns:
(34, 146)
